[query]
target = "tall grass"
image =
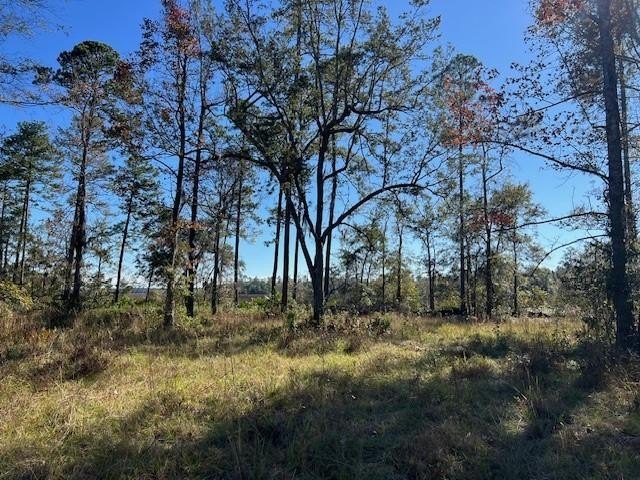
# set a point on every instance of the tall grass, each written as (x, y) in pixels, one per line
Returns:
(245, 396)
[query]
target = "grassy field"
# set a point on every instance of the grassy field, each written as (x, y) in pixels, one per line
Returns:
(242, 397)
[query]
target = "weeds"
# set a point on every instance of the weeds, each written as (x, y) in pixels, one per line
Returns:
(248, 396)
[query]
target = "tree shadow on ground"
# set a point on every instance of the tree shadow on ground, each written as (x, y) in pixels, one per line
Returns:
(398, 419)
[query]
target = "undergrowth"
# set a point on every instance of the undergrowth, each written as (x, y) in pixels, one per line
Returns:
(114, 395)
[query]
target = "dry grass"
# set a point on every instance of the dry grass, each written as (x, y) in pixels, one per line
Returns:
(243, 397)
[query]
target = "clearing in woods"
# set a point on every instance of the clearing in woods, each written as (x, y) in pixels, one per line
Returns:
(376, 398)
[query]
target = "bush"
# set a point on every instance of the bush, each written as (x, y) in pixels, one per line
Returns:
(379, 325)
(14, 299)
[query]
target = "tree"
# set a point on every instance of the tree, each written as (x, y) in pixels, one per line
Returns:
(30, 158)
(515, 208)
(587, 34)
(167, 55)
(352, 66)
(20, 19)
(468, 109)
(85, 75)
(135, 184)
(425, 228)
(619, 281)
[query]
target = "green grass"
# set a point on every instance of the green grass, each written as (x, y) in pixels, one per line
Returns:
(241, 397)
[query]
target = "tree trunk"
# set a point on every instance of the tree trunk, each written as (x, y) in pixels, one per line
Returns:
(624, 131)
(170, 301)
(4, 232)
(66, 294)
(99, 272)
(318, 262)
(619, 281)
(236, 253)
(469, 278)
(276, 246)
(430, 275)
(399, 266)
(25, 232)
(146, 297)
(284, 301)
(516, 306)
(474, 287)
(384, 272)
(332, 207)
(193, 255)
(123, 244)
(80, 238)
(216, 268)
(318, 291)
(18, 270)
(296, 254)
(488, 273)
(461, 232)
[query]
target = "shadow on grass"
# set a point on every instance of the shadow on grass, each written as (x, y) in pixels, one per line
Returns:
(398, 419)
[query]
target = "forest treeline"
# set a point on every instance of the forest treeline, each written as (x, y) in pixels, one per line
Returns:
(350, 136)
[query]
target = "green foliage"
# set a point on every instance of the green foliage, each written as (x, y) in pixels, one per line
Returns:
(14, 299)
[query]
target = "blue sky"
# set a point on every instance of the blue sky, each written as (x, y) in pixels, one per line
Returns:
(492, 31)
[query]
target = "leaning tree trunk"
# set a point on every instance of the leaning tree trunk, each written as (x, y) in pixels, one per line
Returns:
(148, 294)
(125, 234)
(618, 281)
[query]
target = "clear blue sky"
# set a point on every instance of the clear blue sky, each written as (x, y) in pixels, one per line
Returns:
(492, 31)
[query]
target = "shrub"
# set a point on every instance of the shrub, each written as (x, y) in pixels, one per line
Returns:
(379, 325)
(14, 299)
